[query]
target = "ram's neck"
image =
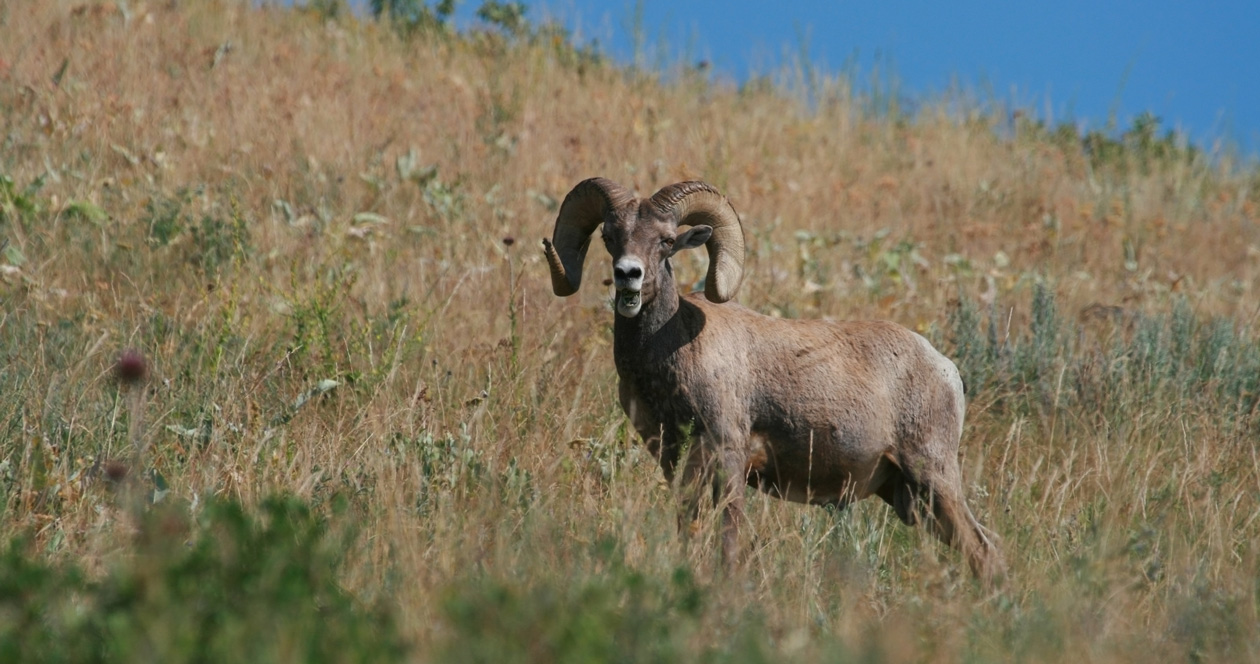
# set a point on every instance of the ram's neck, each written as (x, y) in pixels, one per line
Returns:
(652, 350)
(636, 339)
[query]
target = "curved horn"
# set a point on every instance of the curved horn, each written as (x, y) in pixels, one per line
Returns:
(697, 202)
(583, 210)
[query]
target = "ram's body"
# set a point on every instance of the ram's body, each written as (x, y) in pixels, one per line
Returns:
(810, 411)
(817, 409)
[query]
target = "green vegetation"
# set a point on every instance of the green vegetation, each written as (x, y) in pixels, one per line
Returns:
(223, 587)
(364, 429)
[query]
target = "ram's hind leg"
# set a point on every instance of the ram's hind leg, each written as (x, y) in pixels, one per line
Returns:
(933, 493)
(955, 525)
(899, 492)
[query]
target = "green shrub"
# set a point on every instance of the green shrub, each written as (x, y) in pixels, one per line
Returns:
(620, 615)
(1174, 359)
(412, 17)
(228, 587)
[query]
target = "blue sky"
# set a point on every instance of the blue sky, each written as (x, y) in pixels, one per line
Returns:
(1195, 65)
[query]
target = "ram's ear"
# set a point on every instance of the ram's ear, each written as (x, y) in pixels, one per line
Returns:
(693, 237)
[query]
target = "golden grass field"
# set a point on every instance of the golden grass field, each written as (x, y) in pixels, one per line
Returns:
(262, 200)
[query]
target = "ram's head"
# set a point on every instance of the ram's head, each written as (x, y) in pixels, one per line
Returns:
(641, 235)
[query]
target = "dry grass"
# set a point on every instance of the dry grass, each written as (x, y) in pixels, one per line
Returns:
(202, 169)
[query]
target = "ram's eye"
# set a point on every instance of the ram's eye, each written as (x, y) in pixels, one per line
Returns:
(667, 242)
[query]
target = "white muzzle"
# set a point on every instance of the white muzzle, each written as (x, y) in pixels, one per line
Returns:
(628, 280)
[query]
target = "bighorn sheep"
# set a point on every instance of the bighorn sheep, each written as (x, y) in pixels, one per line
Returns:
(811, 411)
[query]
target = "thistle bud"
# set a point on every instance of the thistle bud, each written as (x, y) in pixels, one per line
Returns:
(130, 368)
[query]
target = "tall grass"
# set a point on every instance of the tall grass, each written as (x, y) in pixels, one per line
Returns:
(301, 221)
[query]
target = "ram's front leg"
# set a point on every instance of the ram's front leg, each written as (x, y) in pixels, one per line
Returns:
(646, 425)
(729, 487)
(709, 467)
(692, 480)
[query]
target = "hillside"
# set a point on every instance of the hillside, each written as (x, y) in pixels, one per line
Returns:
(322, 236)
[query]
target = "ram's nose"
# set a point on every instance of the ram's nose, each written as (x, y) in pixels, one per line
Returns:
(628, 274)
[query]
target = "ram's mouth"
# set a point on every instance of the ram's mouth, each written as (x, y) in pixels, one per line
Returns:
(628, 302)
